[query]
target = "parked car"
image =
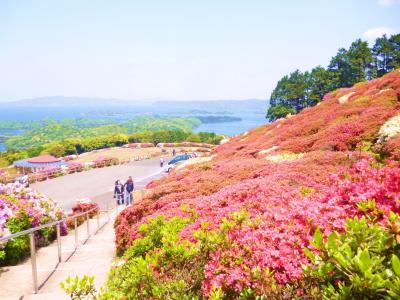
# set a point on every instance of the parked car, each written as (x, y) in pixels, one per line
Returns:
(176, 160)
(23, 180)
(179, 158)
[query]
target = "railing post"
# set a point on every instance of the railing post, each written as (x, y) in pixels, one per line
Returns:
(76, 232)
(33, 261)
(87, 225)
(98, 220)
(108, 213)
(59, 241)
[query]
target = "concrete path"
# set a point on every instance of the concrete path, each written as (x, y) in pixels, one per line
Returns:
(92, 256)
(98, 184)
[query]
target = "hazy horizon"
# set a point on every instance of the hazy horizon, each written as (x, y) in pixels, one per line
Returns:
(175, 50)
(129, 100)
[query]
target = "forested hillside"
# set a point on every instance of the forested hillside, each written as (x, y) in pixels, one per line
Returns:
(298, 90)
(52, 131)
(306, 207)
(75, 136)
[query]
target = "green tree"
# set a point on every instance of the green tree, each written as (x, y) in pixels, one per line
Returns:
(298, 90)
(289, 95)
(361, 61)
(394, 60)
(382, 52)
(319, 81)
(56, 149)
(340, 66)
(279, 111)
(141, 137)
(193, 137)
(353, 65)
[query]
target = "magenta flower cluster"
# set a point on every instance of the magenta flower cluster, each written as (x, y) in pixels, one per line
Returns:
(17, 201)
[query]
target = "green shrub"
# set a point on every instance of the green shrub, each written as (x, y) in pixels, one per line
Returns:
(17, 248)
(141, 272)
(79, 288)
(361, 263)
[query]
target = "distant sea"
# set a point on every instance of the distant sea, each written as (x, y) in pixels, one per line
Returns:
(252, 114)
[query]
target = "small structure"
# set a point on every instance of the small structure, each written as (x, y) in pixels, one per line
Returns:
(39, 163)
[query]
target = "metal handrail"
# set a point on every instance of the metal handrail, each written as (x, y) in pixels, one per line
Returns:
(57, 223)
(50, 224)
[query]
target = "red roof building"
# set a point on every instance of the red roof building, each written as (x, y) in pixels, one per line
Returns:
(44, 159)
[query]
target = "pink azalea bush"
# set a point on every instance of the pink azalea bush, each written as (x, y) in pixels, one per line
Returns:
(105, 161)
(75, 167)
(20, 209)
(140, 145)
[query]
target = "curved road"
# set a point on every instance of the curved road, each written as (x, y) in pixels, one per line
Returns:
(98, 184)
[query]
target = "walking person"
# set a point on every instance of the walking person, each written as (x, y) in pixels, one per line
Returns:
(161, 162)
(119, 192)
(173, 152)
(129, 187)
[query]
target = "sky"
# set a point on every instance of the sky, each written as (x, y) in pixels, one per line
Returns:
(175, 50)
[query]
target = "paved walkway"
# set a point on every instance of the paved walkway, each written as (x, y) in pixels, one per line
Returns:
(92, 256)
(98, 184)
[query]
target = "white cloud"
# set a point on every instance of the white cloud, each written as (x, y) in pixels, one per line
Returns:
(374, 33)
(388, 2)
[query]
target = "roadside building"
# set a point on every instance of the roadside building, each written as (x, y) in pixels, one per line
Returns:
(35, 164)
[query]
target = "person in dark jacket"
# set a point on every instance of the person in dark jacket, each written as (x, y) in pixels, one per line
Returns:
(129, 187)
(119, 192)
(161, 162)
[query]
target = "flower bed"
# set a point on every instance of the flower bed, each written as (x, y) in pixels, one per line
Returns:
(188, 144)
(80, 207)
(5, 176)
(105, 162)
(75, 167)
(140, 145)
(70, 157)
(21, 209)
(237, 226)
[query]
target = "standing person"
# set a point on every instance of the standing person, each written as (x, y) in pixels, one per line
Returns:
(119, 192)
(161, 162)
(173, 152)
(129, 187)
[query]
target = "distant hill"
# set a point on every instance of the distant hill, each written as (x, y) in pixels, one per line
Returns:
(71, 101)
(248, 104)
(64, 101)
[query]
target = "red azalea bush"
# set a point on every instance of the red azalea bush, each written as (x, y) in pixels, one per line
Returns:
(37, 176)
(105, 162)
(50, 172)
(70, 157)
(75, 167)
(392, 148)
(276, 199)
(81, 207)
(188, 144)
(140, 145)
